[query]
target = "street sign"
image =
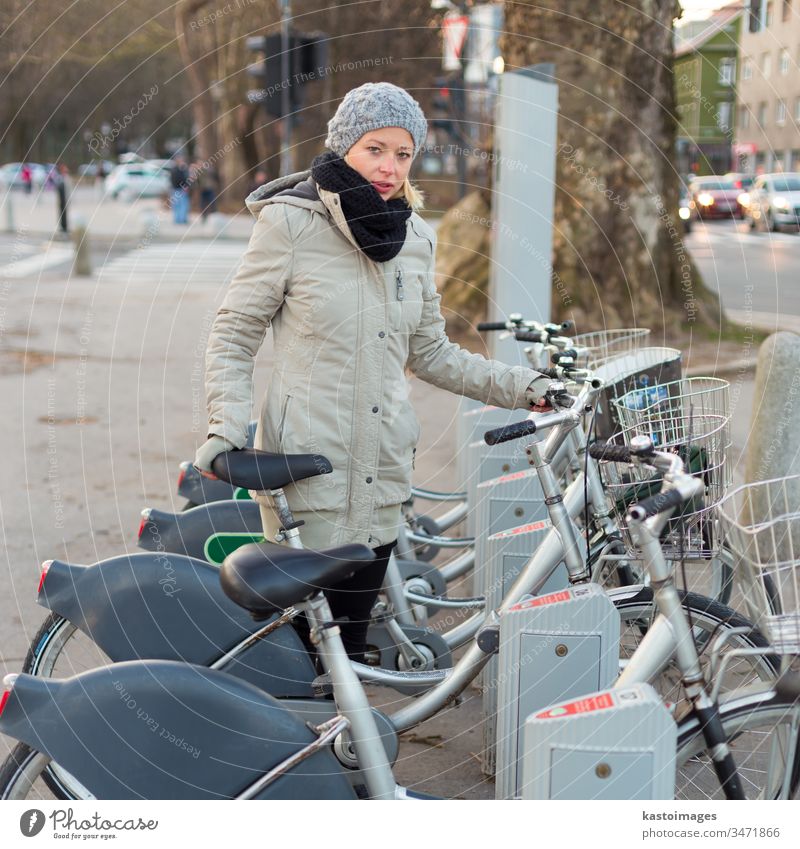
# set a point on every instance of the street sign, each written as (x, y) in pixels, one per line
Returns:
(454, 31)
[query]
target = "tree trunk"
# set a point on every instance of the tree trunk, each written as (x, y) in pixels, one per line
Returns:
(196, 67)
(618, 246)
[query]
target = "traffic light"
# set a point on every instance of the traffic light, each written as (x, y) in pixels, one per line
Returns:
(308, 59)
(442, 118)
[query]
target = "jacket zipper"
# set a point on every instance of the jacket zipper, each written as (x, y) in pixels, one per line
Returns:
(399, 279)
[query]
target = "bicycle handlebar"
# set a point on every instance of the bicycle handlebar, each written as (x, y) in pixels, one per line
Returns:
(609, 451)
(530, 336)
(509, 432)
(492, 325)
(656, 504)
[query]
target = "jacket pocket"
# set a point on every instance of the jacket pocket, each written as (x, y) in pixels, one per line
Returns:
(287, 400)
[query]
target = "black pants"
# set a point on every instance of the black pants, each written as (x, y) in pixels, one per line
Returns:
(353, 600)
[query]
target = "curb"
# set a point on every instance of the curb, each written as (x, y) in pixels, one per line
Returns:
(717, 369)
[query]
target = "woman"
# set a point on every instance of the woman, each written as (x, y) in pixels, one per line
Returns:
(343, 268)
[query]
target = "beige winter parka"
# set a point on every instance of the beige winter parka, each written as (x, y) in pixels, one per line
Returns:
(345, 329)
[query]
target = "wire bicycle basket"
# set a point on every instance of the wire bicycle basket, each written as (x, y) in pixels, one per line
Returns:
(597, 346)
(760, 523)
(691, 418)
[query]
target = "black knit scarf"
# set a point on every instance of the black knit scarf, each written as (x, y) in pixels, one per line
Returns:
(378, 226)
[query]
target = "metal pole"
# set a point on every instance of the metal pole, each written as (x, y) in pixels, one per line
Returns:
(9, 205)
(286, 109)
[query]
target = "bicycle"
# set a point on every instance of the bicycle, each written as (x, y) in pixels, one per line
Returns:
(759, 724)
(264, 578)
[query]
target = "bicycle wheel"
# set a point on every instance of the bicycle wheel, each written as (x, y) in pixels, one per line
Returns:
(26, 774)
(762, 732)
(59, 650)
(708, 617)
(712, 577)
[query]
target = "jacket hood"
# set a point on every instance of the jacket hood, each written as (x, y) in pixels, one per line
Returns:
(257, 200)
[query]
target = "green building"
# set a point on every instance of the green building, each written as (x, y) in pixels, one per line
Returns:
(706, 54)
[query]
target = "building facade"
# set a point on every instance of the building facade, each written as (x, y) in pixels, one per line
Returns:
(767, 137)
(706, 54)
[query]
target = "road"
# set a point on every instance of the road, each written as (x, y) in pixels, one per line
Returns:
(749, 270)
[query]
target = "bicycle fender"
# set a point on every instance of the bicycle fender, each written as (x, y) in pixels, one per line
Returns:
(187, 532)
(171, 607)
(166, 730)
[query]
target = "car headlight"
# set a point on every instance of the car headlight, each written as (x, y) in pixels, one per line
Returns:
(743, 199)
(705, 199)
(780, 203)
(684, 212)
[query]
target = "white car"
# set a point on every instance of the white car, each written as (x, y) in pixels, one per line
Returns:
(773, 201)
(136, 180)
(11, 174)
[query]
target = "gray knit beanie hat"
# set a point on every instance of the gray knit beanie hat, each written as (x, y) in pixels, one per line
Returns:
(373, 106)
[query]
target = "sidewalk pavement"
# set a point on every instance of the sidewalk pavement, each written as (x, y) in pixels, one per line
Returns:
(144, 220)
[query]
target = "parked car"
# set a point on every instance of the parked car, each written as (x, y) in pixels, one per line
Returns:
(774, 201)
(715, 197)
(685, 207)
(739, 180)
(135, 180)
(743, 182)
(89, 169)
(11, 174)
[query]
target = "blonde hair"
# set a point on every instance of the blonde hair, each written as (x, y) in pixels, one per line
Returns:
(414, 196)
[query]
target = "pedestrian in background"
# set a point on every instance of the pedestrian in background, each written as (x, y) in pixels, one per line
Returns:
(207, 186)
(341, 266)
(63, 191)
(27, 178)
(179, 177)
(259, 179)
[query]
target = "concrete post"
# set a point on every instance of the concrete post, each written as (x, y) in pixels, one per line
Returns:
(773, 448)
(82, 263)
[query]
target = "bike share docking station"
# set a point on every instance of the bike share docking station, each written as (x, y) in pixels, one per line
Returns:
(613, 744)
(551, 647)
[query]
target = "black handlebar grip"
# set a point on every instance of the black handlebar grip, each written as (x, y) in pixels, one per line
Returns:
(552, 373)
(656, 504)
(509, 432)
(610, 451)
(491, 325)
(569, 354)
(567, 325)
(530, 336)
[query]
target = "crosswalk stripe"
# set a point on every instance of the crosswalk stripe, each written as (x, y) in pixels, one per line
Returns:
(189, 262)
(33, 264)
